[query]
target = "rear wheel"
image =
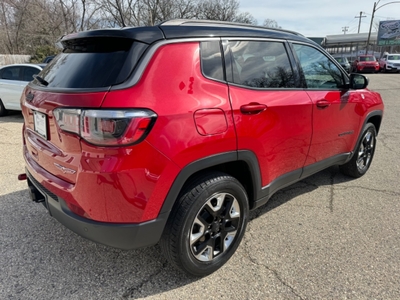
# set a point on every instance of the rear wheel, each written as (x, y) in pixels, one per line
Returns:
(362, 158)
(206, 224)
(3, 110)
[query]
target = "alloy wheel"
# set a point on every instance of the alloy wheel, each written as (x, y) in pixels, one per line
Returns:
(365, 151)
(215, 227)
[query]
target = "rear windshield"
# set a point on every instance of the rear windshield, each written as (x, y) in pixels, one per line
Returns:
(92, 63)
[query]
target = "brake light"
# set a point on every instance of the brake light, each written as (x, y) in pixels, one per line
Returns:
(68, 119)
(106, 127)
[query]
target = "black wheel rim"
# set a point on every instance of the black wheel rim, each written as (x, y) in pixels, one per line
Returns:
(365, 151)
(215, 227)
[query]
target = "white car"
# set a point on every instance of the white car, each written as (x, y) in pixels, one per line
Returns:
(13, 79)
(390, 63)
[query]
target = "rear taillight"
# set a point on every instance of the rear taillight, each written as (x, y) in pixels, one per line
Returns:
(106, 127)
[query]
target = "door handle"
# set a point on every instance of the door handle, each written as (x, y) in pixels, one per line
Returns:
(323, 103)
(252, 108)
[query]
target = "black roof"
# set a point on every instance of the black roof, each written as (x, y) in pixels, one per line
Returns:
(181, 28)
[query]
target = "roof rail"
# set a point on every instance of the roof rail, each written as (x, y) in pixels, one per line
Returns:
(179, 22)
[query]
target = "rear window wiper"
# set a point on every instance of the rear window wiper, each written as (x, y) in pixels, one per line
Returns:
(41, 80)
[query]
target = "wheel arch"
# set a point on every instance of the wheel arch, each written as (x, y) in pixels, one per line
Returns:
(375, 118)
(242, 165)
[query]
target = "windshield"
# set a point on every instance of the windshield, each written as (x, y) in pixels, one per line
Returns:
(367, 58)
(394, 57)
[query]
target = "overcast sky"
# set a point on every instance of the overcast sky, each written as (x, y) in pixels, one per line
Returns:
(318, 18)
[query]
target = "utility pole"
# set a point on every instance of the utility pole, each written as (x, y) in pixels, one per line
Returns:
(345, 29)
(359, 21)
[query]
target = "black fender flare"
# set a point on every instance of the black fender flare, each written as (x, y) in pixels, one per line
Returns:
(375, 113)
(244, 155)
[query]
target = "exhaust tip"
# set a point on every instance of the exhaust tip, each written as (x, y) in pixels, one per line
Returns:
(22, 176)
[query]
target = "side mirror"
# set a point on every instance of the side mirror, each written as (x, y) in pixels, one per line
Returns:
(358, 81)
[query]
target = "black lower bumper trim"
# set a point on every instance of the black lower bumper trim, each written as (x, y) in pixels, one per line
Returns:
(122, 236)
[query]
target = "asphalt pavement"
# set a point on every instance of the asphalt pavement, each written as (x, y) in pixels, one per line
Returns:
(326, 237)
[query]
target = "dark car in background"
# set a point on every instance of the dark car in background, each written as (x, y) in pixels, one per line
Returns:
(365, 63)
(48, 59)
(343, 62)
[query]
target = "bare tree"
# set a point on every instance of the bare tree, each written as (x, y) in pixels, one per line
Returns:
(271, 23)
(33, 26)
(221, 10)
(245, 18)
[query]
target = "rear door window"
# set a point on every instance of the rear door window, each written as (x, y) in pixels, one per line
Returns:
(93, 63)
(261, 64)
(10, 73)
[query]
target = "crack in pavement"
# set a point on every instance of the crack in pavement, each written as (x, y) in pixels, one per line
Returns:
(386, 192)
(273, 271)
(130, 292)
(382, 138)
(332, 190)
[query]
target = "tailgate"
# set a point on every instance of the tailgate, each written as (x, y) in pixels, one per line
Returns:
(56, 151)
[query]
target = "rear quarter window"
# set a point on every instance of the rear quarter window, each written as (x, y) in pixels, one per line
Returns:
(211, 60)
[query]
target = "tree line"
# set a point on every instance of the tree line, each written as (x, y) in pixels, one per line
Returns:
(33, 26)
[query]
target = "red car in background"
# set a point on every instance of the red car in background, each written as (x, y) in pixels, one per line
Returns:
(365, 63)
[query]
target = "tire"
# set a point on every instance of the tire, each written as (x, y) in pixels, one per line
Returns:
(206, 225)
(362, 158)
(3, 110)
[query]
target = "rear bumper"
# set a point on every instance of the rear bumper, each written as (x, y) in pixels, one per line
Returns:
(122, 236)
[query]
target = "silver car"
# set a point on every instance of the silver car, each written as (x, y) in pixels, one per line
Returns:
(13, 79)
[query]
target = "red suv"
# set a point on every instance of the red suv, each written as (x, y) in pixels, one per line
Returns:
(366, 63)
(173, 133)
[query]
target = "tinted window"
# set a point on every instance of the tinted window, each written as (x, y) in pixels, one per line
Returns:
(367, 58)
(29, 72)
(319, 71)
(10, 73)
(261, 64)
(93, 63)
(211, 60)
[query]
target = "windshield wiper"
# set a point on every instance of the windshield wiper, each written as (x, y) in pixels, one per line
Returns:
(41, 80)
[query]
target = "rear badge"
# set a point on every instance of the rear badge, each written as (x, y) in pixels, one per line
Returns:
(65, 170)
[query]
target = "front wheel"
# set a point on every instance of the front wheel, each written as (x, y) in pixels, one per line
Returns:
(206, 224)
(362, 158)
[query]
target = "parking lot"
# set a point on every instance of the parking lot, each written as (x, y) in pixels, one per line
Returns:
(326, 237)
